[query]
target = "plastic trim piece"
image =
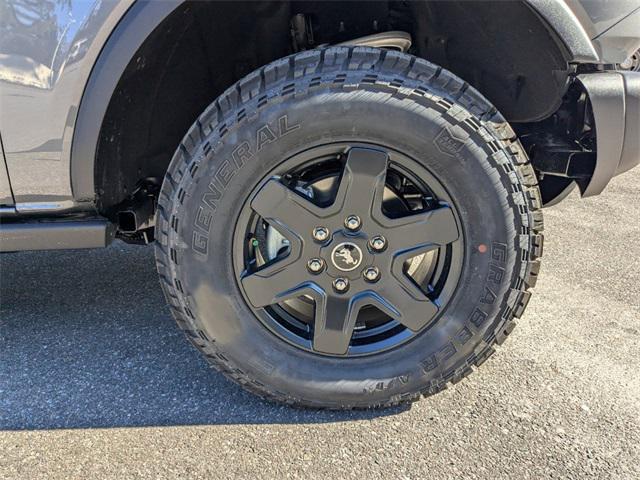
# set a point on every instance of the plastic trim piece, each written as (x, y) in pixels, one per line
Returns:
(615, 98)
(631, 150)
(60, 235)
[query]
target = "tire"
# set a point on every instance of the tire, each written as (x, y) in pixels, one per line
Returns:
(364, 96)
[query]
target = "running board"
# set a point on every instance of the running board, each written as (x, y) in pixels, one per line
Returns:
(55, 235)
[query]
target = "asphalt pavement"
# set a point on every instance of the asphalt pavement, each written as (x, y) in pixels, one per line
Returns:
(96, 381)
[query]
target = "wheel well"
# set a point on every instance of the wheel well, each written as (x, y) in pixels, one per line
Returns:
(202, 48)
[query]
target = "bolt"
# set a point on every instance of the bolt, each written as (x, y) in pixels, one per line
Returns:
(378, 243)
(341, 285)
(371, 274)
(315, 265)
(320, 233)
(352, 222)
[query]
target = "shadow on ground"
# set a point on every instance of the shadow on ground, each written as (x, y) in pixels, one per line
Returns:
(86, 341)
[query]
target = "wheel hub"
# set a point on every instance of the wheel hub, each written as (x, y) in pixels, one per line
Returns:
(348, 257)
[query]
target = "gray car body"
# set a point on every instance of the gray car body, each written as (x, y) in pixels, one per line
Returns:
(51, 86)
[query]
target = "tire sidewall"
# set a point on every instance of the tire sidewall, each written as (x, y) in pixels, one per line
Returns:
(462, 162)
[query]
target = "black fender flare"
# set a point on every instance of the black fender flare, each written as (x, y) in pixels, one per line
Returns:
(567, 28)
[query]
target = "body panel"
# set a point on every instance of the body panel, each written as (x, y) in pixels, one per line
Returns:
(47, 51)
(6, 196)
(620, 41)
(596, 16)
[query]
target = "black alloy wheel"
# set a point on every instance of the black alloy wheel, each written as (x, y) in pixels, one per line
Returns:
(368, 256)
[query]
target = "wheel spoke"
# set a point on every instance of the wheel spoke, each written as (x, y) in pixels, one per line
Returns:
(362, 184)
(285, 209)
(275, 283)
(415, 309)
(335, 319)
(422, 231)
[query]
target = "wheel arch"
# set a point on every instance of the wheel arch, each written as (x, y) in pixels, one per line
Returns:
(117, 61)
(130, 33)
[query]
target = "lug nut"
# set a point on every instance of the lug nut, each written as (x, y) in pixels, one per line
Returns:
(315, 265)
(341, 285)
(371, 274)
(352, 222)
(378, 243)
(320, 233)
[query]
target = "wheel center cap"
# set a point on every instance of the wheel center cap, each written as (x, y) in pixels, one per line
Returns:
(346, 256)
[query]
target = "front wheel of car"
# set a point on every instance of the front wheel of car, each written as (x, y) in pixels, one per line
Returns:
(348, 228)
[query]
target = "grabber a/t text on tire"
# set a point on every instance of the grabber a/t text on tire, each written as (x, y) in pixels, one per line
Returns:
(348, 228)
